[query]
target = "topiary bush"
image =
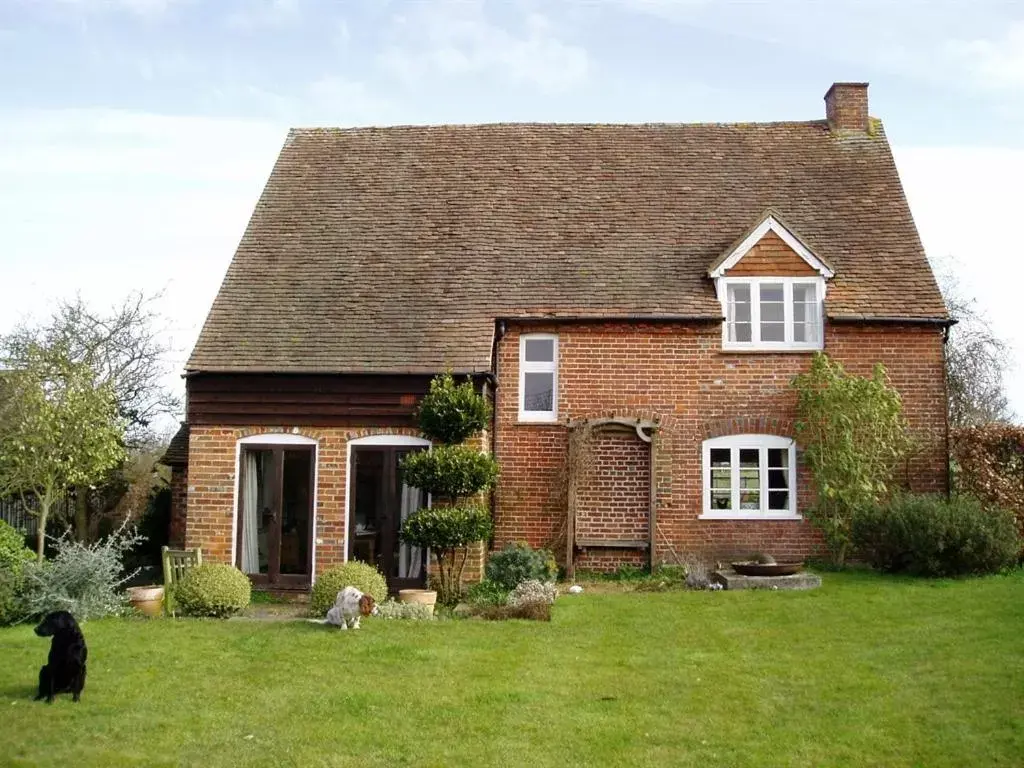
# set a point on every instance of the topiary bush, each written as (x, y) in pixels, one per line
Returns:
(450, 471)
(362, 576)
(929, 535)
(213, 589)
(447, 531)
(517, 563)
(451, 413)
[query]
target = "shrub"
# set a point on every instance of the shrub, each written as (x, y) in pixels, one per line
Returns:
(932, 536)
(533, 591)
(390, 609)
(13, 552)
(450, 471)
(84, 579)
(11, 610)
(450, 413)
(988, 462)
(853, 436)
(517, 563)
(362, 576)
(213, 589)
(446, 530)
(487, 593)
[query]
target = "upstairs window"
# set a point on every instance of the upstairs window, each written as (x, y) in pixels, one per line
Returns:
(538, 377)
(749, 476)
(773, 313)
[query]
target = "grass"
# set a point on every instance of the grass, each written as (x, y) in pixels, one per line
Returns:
(867, 671)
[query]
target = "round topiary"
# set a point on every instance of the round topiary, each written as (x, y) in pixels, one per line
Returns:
(213, 589)
(362, 576)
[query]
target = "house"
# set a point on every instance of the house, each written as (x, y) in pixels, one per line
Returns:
(635, 299)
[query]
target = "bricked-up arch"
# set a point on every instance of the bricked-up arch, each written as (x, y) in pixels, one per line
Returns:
(611, 516)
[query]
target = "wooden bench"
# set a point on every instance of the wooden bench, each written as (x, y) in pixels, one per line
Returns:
(176, 564)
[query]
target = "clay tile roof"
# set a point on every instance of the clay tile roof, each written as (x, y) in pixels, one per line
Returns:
(394, 249)
(176, 454)
(772, 213)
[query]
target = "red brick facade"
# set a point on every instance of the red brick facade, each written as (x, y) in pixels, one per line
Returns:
(680, 377)
(179, 502)
(212, 484)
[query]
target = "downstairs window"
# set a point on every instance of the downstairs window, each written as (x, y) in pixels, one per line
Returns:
(749, 476)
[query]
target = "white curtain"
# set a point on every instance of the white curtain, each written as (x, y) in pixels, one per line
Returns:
(410, 558)
(250, 514)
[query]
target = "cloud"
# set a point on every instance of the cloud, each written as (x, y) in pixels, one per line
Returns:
(998, 63)
(456, 39)
(265, 14)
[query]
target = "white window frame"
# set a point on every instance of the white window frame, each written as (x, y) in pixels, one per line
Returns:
(762, 443)
(755, 283)
(525, 367)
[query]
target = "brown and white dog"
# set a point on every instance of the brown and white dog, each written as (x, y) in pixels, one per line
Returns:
(350, 606)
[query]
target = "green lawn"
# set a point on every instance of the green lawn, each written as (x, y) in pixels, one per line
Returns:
(865, 671)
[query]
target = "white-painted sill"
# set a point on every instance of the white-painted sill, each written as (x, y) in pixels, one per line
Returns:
(736, 516)
(537, 419)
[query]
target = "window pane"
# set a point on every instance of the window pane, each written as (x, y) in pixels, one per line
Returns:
(778, 500)
(721, 499)
(720, 457)
(749, 457)
(804, 293)
(773, 312)
(738, 312)
(778, 457)
(539, 392)
(778, 478)
(750, 479)
(540, 350)
(740, 331)
(773, 331)
(720, 478)
(750, 500)
(772, 292)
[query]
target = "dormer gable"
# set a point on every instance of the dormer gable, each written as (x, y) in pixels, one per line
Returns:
(770, 248)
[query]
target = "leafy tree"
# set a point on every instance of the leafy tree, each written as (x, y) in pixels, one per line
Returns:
(451, 413)
(59, 428)
(125, 350)
(853, 436)
(448, 531)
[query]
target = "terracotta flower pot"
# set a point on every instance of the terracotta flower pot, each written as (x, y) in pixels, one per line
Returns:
(149, 599)
(422, 596)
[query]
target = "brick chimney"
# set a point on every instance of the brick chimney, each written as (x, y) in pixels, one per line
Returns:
(846, 107)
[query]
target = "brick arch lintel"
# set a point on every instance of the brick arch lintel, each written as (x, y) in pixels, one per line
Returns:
(748, 425)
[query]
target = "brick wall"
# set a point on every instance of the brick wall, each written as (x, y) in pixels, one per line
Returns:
(846, 106)
(771, 257)
(680, 377)
(212, 480)
(179, 497)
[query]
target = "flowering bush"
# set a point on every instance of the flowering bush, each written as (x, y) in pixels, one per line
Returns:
(533, 591)
(390, 609)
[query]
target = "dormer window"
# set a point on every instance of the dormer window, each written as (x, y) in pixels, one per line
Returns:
(772, 313)
(772, 289)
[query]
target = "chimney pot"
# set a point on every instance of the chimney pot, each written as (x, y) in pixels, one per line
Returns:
(846, 107)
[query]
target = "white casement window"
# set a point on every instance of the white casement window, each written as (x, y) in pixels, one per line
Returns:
(749, 476)
(772, 313)
(538, 377)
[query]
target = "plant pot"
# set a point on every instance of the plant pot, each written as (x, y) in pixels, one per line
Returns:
(766, 569)
(149, 600)
(422, 596)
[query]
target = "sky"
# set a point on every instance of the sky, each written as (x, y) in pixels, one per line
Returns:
(136, 135)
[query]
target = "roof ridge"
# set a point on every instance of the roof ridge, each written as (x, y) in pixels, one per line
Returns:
(299, 129)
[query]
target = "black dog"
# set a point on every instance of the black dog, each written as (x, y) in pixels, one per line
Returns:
(65, 668)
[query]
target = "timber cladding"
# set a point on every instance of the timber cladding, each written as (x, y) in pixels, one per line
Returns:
(679, 376)
(319, 400)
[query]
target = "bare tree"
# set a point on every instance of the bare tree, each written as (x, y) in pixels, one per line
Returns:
(976, 361)
(125, 348)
